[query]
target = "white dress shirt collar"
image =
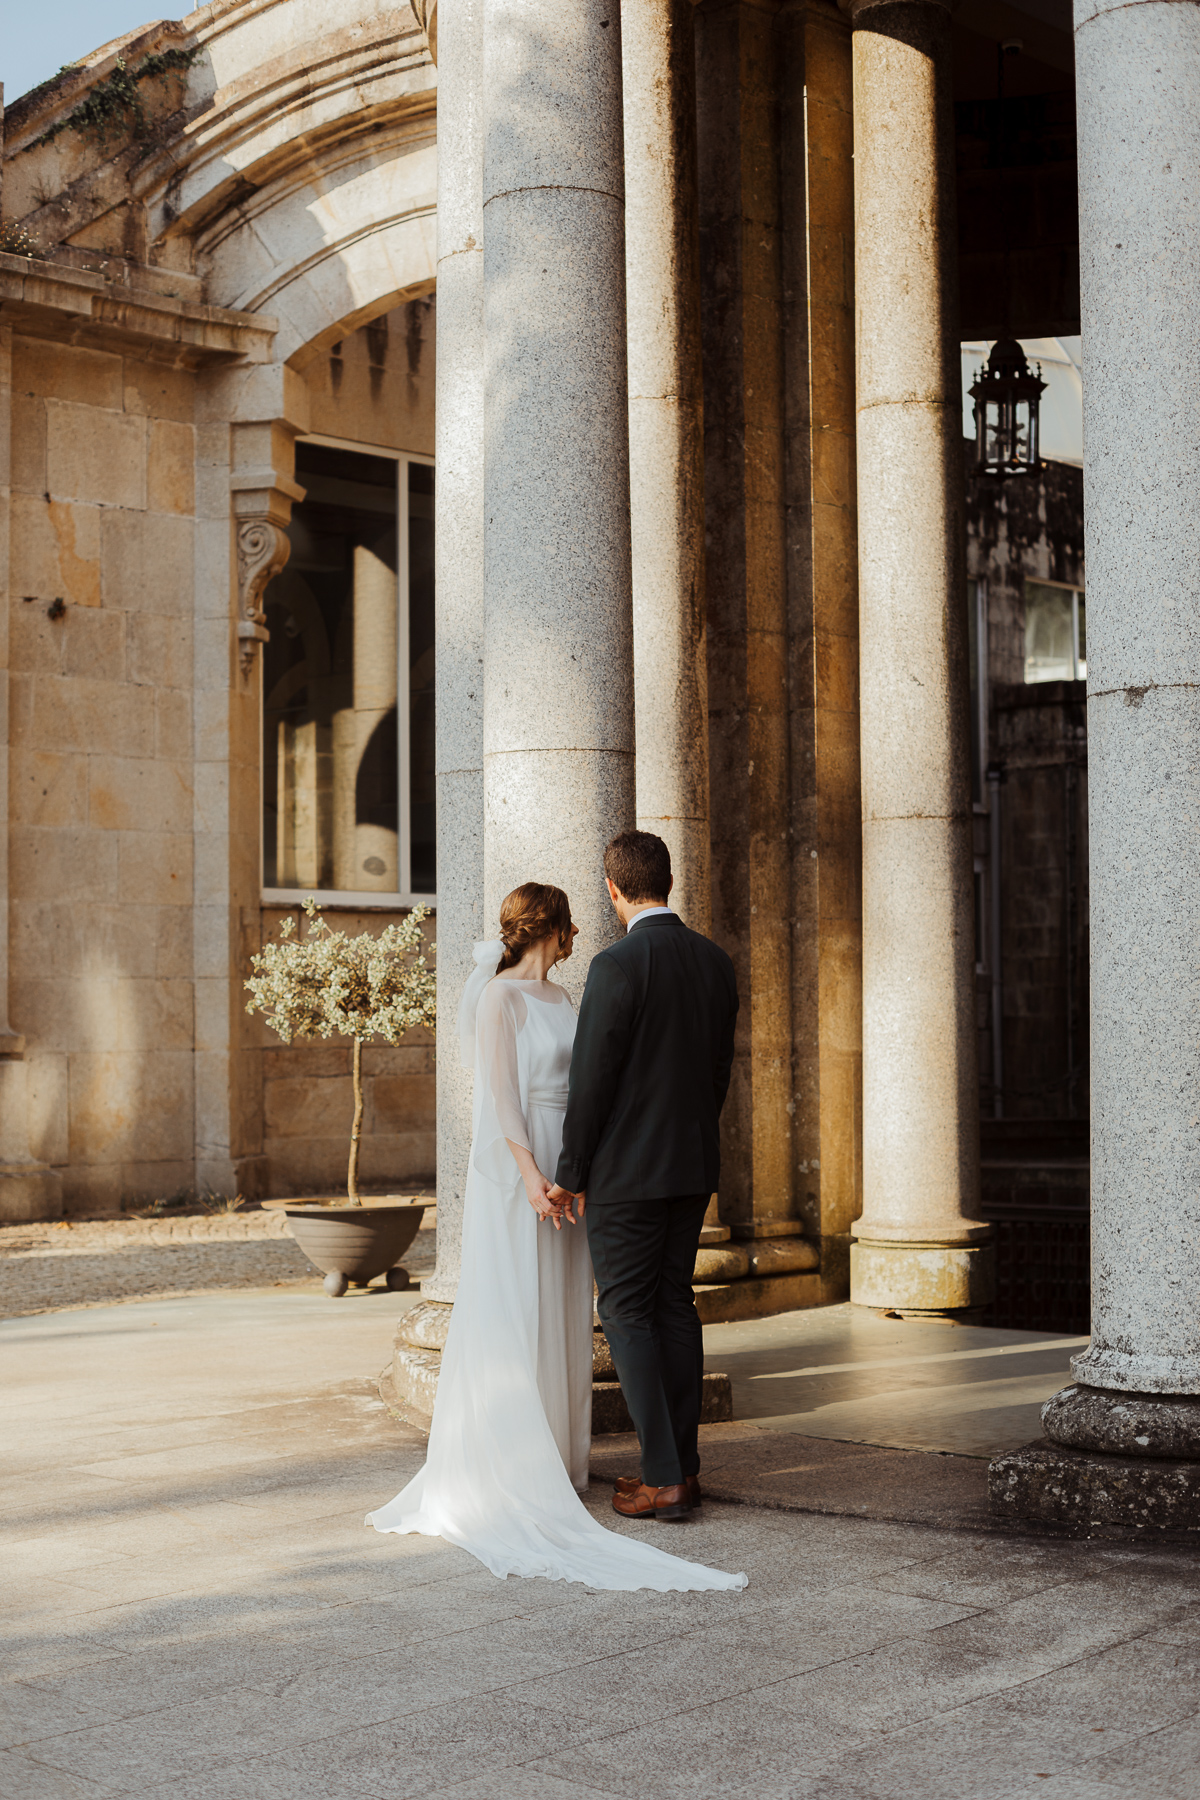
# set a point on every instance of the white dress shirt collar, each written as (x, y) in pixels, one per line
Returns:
(645, 912)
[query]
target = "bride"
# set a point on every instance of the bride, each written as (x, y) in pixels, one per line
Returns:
(511, 1432)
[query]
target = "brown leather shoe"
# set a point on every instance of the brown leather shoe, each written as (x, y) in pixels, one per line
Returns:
(654, 1502)
(629, 1484)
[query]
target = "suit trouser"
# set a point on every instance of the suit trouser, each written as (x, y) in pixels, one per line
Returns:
(644, 1257)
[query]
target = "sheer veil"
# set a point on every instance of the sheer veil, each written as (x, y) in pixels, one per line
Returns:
(486, 956)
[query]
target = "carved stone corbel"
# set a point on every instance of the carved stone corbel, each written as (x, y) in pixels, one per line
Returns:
(262, 509)
(262, 551)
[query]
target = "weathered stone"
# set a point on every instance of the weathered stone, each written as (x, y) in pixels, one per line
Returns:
(757, 1297)
(817, 133)
(55, 551)
(458, 510)
(610, 1414)
(171, 468)
(95, 455)
(29, 1191)
(738, 78)
(1071, 1487)
(558, 661)
(1120, 1424)
(425, 1326)
(1137, 135)
(603, 1367)
(725, 1262)
(919, 1241)
(782, 1255)
(916, 1278)
(666, 441)
(415, 1377)
(745, 1230)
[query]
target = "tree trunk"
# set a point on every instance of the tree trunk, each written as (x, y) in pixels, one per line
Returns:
(356, 1128)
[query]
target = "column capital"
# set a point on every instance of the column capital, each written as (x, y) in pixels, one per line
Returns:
(427, 19)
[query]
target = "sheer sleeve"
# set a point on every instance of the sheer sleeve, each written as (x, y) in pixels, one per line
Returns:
(499, 1082)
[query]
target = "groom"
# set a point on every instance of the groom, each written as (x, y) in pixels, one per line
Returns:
(649, 1075)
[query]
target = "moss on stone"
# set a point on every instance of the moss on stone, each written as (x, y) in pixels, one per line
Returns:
(116, 103)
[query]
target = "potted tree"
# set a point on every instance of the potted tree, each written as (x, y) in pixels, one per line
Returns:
(318, 983)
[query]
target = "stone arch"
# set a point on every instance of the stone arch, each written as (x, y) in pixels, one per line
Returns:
(284, 162)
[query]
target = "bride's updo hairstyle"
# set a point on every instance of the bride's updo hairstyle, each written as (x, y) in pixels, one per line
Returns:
(530, 913)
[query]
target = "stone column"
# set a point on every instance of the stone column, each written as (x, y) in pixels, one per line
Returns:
(742, 310)
(817, 129)
(558, 656)
(666, 446)
(1130, 1431)
(372, 699)
(919, 1247)
(458, 512)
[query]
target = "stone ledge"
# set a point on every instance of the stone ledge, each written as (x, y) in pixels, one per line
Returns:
(758, 1297)
(610, 1415)
(1058, 1486)
(44, 299)
(759, 1257)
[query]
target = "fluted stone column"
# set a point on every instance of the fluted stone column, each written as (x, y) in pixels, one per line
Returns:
(1127, 1439)
(666, 445)
(459, 588)
(558, 656)
(919, 1246)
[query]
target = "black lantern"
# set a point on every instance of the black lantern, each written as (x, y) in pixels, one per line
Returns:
(1007, 397)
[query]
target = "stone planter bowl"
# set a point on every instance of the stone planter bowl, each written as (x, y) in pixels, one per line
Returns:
(354, 1243)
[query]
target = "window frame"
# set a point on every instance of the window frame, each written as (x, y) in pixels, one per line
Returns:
(1078, 593)
(344, 899)
(977, 607)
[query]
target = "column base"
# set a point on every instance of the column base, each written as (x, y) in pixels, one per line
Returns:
(1159, 1426)
(417, 1362)
(1057, 1486)
(417, 1356)
(921, 1279)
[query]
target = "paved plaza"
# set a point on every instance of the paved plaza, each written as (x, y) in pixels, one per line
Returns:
(194, 1608)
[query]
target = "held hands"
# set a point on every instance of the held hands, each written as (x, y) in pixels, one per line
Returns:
(538, 1193)
(550, 1201)
(562, 1198)
(547, 1199)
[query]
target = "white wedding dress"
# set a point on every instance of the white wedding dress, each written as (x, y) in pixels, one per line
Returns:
(511, 1432)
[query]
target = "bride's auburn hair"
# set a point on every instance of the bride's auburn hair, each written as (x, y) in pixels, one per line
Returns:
(530, 913)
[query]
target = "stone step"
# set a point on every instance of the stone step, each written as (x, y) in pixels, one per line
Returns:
(610, 1413)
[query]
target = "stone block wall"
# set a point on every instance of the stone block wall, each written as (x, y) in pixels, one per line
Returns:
(134, 789)
(101, 762)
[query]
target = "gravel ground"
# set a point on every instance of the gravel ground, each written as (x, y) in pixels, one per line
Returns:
(58, 1265)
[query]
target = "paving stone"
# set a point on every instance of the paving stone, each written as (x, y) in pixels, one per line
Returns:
(67, 1264)
(220, 1622)
(1162, 1765)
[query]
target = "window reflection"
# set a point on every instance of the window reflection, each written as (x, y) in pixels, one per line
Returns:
(422, 819)
(1055, 633)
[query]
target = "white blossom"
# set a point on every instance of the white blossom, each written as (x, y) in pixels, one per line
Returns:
(323, 982)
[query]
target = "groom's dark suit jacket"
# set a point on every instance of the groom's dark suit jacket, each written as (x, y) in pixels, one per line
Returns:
(650, 1067)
